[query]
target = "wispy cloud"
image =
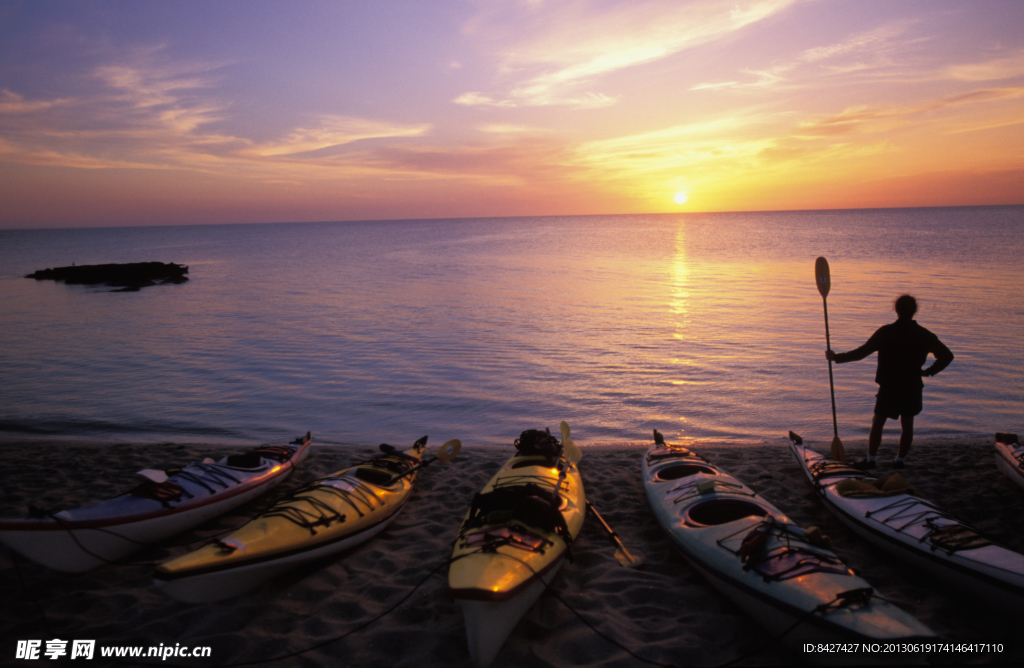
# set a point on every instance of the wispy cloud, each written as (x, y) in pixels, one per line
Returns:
(570, 46)
(160, 117)
(1001, 67)
(11, 103)
(872, 51)
(332, 131)
(861, 120)
(518, 162)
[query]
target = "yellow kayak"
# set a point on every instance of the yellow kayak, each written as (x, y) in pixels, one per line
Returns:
(514, 539)
(319, 519)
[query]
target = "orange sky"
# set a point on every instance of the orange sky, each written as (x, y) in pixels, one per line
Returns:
(125, 113)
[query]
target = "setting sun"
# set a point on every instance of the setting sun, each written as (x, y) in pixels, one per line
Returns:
(584, 107)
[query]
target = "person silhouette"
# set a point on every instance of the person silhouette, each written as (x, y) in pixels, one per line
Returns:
(903, 348)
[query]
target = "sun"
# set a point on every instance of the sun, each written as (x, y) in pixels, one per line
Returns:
(681, 197)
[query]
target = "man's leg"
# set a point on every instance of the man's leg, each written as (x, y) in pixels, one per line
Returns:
(907, 437)
(875, 435)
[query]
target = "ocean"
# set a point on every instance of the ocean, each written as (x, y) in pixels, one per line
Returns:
(708, 327)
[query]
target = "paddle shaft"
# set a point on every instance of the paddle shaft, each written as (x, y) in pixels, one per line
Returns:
(423, 464)
(622, 555)
(831, 383)
(611, 534)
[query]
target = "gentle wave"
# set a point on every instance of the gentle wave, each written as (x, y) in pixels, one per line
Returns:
(708, 327)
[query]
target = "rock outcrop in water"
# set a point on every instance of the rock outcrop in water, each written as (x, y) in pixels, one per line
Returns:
(129, 277)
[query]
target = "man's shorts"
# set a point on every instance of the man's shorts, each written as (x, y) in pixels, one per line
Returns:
(895, 403)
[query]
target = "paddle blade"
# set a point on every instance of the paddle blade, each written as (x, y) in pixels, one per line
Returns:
(795, 437)
(572, 453)
(623, 556)
(838, 451)
(449, 451)
(822, 276)
(658, 438)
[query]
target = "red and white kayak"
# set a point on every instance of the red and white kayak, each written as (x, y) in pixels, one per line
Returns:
(1010, 457)
(167, 503)
(895, 518)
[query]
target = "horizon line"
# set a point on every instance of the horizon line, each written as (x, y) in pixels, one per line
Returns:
(463, 218)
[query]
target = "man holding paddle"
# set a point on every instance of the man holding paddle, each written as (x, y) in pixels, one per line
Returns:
(903, 348)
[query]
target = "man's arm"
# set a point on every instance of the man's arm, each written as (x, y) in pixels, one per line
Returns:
(857, 353)
(943, 356)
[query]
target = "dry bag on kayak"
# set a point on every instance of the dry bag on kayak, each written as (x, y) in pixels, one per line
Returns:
(537, 442)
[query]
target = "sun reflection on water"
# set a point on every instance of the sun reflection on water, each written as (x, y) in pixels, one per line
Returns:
(680, 282)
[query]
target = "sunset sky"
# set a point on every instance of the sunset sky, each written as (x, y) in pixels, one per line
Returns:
(124, 113)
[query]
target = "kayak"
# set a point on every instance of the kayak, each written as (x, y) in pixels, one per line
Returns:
(888, 513)
(515, 537)
(1010, 457)
(320, 519)
(783, 576)
(165, 504)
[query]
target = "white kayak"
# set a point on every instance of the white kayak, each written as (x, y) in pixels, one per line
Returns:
(165, 504)
(888, 513)
(781, 575)
(1010, 457)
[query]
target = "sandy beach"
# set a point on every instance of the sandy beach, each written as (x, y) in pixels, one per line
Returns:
(664, 612)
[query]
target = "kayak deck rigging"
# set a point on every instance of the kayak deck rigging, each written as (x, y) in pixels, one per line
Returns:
(167, 491)
(354, 488)
(520, 502)
(690, 490)
(512, 535)
(829, 468)
(792, 557)
(950, 537)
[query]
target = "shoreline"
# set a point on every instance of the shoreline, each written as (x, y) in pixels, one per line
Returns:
(891, 437)
(664, 612)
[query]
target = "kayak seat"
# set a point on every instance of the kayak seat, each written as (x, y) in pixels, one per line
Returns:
(672, 451)
(683, 471)
(722, 511)
(280, 453)
(248, 460)
(396, 462)
(374, 476)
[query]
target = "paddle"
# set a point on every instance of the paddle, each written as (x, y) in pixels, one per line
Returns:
(823, 279)
(448, 452)
(622, 555)
(574, 455)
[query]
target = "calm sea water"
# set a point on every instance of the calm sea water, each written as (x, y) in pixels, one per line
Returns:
(707, 327)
